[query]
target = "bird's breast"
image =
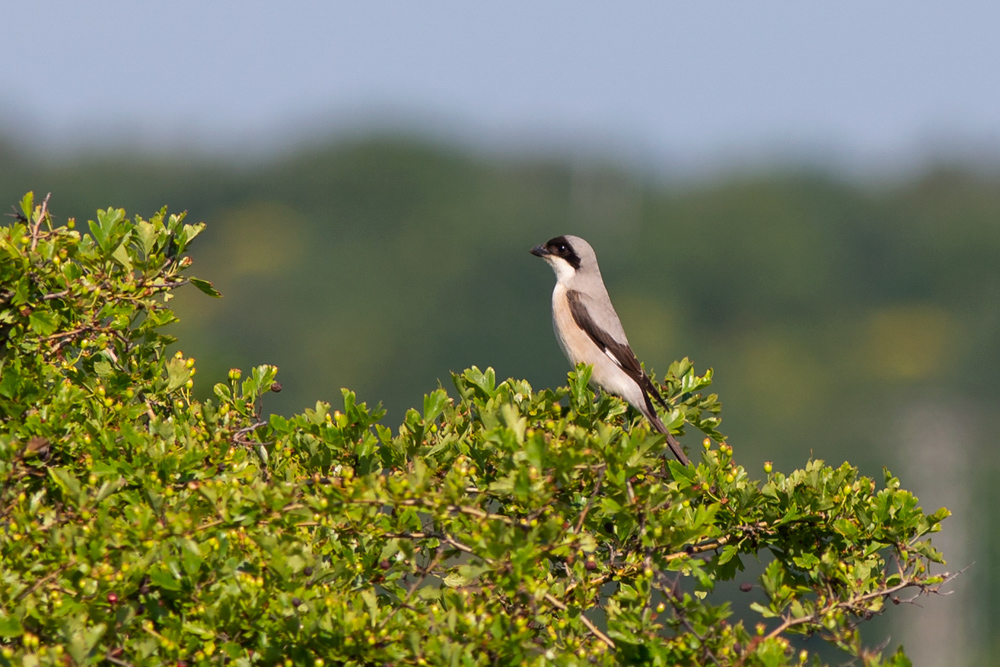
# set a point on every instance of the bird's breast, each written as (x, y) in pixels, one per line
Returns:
(575, 343)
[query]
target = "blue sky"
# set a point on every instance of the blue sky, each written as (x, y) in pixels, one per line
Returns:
(686, 84)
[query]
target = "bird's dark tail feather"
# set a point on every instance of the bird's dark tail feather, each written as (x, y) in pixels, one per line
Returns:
(651, 415)
(675, 446)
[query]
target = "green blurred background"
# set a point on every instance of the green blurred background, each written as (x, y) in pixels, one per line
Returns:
(805, 198)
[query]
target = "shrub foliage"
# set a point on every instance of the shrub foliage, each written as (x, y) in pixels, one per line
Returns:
(499, 525)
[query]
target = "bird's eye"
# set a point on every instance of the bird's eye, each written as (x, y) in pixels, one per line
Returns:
(560, 248)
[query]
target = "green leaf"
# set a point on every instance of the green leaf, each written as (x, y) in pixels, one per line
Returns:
(107, 488)
(72, 271)
(43, 322)
(22, 291)
(148, 236)
(120, 255)
(10, 626)
(847, 528)
(66, 481)
(105, 228)
(177, 374)
(103, 368)
(28, 205)
(371, 601)
(164, 579)
(205, 287)
(485, 382)
(762, 610)
(9, 380)
(455, 579)
(434, 404)
(899, 659)
(579, 381)
(223, 391)
(728, 553)
(188, 233)
(806, 561)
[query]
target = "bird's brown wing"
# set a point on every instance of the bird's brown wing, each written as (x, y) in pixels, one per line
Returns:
(623, 355)
(619, 352)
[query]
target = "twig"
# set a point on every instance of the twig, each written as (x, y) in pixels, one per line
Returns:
(28, 591)
(71, 332)
(413, 587)
(417, 502)
(594, 630)
(853, 603)
(447, 539)
(701, 639)
(711, 545)
(463, 547)
(38, 221)
(469, 550)
(237, 436)
(117, 661)
(590, 500)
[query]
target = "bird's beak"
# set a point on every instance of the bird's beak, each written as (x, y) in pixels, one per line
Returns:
(540, 251)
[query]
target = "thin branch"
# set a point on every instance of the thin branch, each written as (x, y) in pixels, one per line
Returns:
(701, 640)
(548, 596)
(237, 436)
(458, 509)
(71, 332)
(463, 547)
(413, 587)
(38, 221)
(28, 591)
(853, 603)
(710, 545)
(117, 661)
(446, 539)
(594, 630)
(590, 500)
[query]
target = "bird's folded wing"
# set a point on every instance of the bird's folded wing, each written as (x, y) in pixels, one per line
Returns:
(617, 351)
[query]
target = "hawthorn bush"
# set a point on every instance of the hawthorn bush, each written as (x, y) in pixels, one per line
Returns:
(499, 525)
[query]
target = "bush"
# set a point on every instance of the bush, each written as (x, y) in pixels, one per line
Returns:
(141, 526)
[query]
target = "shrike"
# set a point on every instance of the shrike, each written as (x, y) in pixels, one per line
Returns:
(589, 331)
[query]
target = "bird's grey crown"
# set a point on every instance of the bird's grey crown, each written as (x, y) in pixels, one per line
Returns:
(563, 246)
(574, 250)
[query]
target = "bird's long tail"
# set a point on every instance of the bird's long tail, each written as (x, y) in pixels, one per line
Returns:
(648, 388)
(675, 446)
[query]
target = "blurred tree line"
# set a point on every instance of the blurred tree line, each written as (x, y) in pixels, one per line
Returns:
(381, 264)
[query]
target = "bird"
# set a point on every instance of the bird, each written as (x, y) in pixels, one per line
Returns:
(589, 331)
